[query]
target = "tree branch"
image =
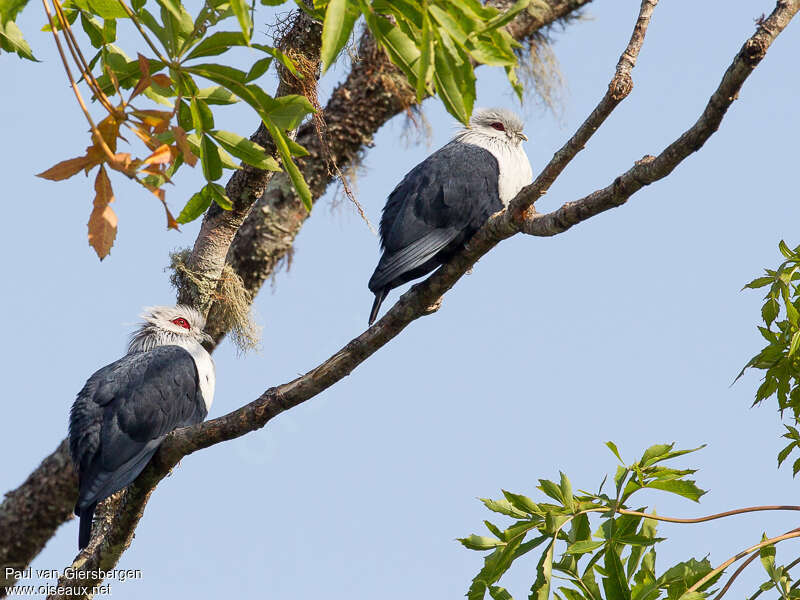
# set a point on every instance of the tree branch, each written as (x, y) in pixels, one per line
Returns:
(302, 43)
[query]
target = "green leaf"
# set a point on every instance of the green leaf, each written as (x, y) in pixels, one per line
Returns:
(425, 64)
(499, 593)
(93, 30)
(686, 488)
(785, 249)
(480, 542)
(402, 50)
(298, 181)
(613, 447)
(583, 546)
(11, 40)
(202, 117)
(216, 95)
(784, 454)
(149, 21)
(244, 149)
(108, 9)
(287, 112)
(242, 12)
(197, 205)
(566, 492)
(9, 9)
(615, 583)
(767, 555)
(209, 155)
(217, 192)
(340, 17)
(455, 84)
(296, 149)
(258, 69)
(759, 282)
(217, 43)
(523, 503)
(508, 16)
(540, 590)
(504, 507)
(794, 343)
(551, 489)
(174, 7)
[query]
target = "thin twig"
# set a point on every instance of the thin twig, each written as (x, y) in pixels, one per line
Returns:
(100, 140)
(132, 15)
(721, 515)
(618, 89)
(80, 60)
(786, 536)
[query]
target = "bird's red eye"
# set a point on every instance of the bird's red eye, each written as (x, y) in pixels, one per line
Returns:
(499, 126)
(181, 322)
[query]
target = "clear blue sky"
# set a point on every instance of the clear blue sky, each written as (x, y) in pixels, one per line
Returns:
(629, 327)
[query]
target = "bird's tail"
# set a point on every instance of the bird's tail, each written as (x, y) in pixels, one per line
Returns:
(85, 529)
(376, 306)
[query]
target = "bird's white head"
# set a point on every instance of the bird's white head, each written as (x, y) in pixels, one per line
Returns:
(180, 325)
(498, 123)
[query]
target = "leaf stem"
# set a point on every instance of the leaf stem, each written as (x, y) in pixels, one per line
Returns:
(132, 15)
(80, 60)
(786, 536)
(100, 140)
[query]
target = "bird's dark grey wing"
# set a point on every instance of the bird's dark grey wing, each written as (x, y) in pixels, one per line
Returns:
(443, 200)
(124, 412)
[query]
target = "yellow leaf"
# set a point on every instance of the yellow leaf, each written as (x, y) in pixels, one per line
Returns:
(102, 222)
(66, 168)
(161, 155)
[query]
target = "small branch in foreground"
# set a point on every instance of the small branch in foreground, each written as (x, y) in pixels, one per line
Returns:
(786, 536)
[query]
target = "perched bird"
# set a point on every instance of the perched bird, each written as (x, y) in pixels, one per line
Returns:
(127, 408)
(446, 198)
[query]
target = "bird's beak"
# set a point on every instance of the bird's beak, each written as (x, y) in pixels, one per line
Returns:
(522, 136)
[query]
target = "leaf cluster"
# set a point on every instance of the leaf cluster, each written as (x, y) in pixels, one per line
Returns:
(779, 358)
(614, 561)
(436, 43)
(176, 76)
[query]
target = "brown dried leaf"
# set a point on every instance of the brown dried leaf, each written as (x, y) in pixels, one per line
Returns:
(141, 86)
(143, 134)
(161, 155)
(67, 168)
(144, 66)
(183, 144)
(102, 222)
(163, 80)
(109, 131)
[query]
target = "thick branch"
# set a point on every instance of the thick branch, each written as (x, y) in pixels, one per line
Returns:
(207, 259)
(30, 513)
